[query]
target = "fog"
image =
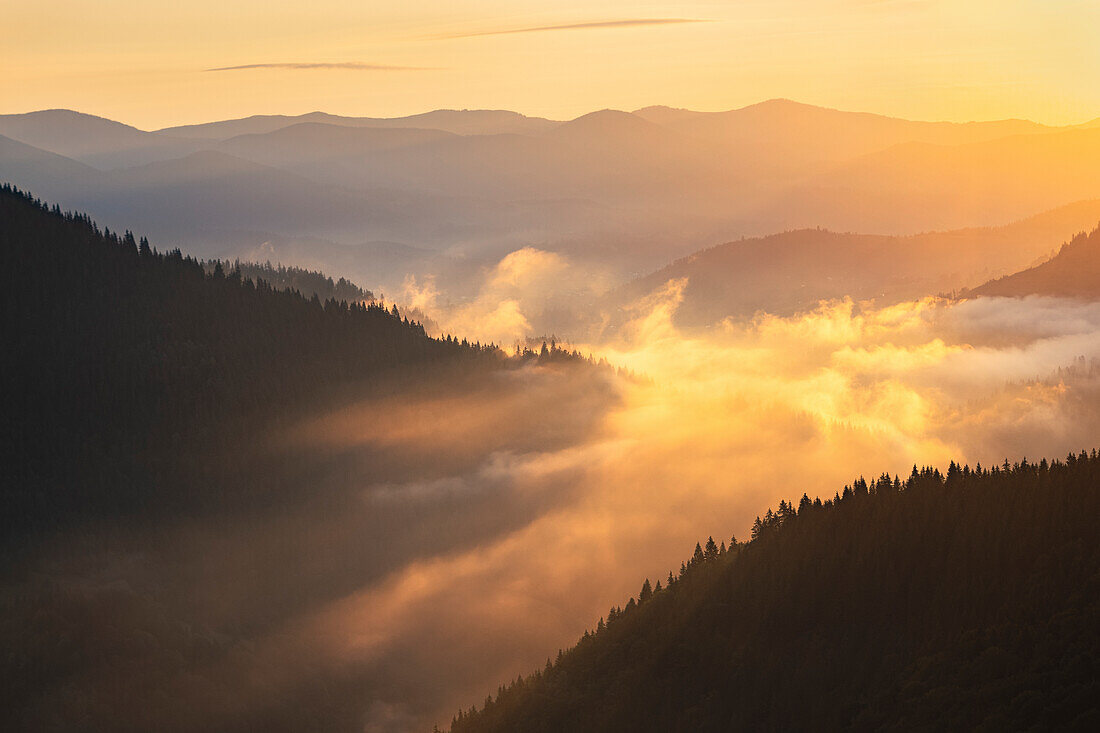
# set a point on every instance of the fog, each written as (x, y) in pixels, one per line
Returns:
(711, 430)
(623, 193)
(449, 535)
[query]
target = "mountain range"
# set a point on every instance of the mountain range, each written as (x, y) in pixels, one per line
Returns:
(223, 445)
(791, 271)
(623, 191)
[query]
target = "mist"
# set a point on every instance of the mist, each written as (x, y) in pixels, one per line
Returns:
(550, 499)
(394, 550)
(403, 546)
(449, 193)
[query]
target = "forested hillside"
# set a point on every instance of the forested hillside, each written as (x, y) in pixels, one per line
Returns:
(1072, 273)
(281, 277)
(965, 601)
(197, 464)
(125, 369)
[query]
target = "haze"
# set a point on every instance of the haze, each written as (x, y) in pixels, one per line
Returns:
(920, 59)
(620, 276)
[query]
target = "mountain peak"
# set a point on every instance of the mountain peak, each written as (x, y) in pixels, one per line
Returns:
(68, 119)
(606, 121)
(663, 115)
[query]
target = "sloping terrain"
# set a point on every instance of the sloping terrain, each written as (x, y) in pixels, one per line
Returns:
(792, 271)
(1072, 273)
(969, 601)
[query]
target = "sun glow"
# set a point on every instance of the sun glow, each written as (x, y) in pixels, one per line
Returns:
(927, 60)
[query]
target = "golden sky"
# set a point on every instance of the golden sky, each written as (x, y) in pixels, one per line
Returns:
(151, 63)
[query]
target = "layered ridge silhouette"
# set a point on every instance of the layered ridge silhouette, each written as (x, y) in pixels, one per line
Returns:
(625, 190)
(945, 601)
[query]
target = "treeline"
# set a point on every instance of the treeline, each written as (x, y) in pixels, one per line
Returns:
(554, 353)
(131, 377)
(961, 601)
(281, 277)
(1074, 272)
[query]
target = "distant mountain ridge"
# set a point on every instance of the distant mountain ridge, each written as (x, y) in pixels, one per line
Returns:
(1072, 273)
(622, 192)
(811, 134)
(459, 122)
(949, 184)
(93, 140)
(791, 271)
(190, 199)
(74, 130)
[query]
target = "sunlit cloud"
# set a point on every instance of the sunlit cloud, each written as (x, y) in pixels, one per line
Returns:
(623, 23)
(466, 532)
(517, 289)
(339, 66)
(730, 422)
(726, 423)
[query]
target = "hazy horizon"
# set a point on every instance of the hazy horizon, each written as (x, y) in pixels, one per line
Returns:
(361, 356)
(1083, 118)
(922, 59)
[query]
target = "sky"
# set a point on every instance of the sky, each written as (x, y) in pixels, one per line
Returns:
(158, 64)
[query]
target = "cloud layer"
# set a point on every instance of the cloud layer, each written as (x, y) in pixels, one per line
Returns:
(721, 427)
(589, 25)
(340, 65)
(454, 534)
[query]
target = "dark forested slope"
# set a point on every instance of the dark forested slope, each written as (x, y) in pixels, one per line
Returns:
(1072, 273)
(195, 467)
(969, 601)
(283, 277)
(123, 367)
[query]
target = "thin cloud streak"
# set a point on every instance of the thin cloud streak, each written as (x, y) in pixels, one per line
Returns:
(624, 23)
(345, 65)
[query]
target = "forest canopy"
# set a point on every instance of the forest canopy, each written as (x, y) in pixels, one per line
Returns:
(126, 368)
(961, 601)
